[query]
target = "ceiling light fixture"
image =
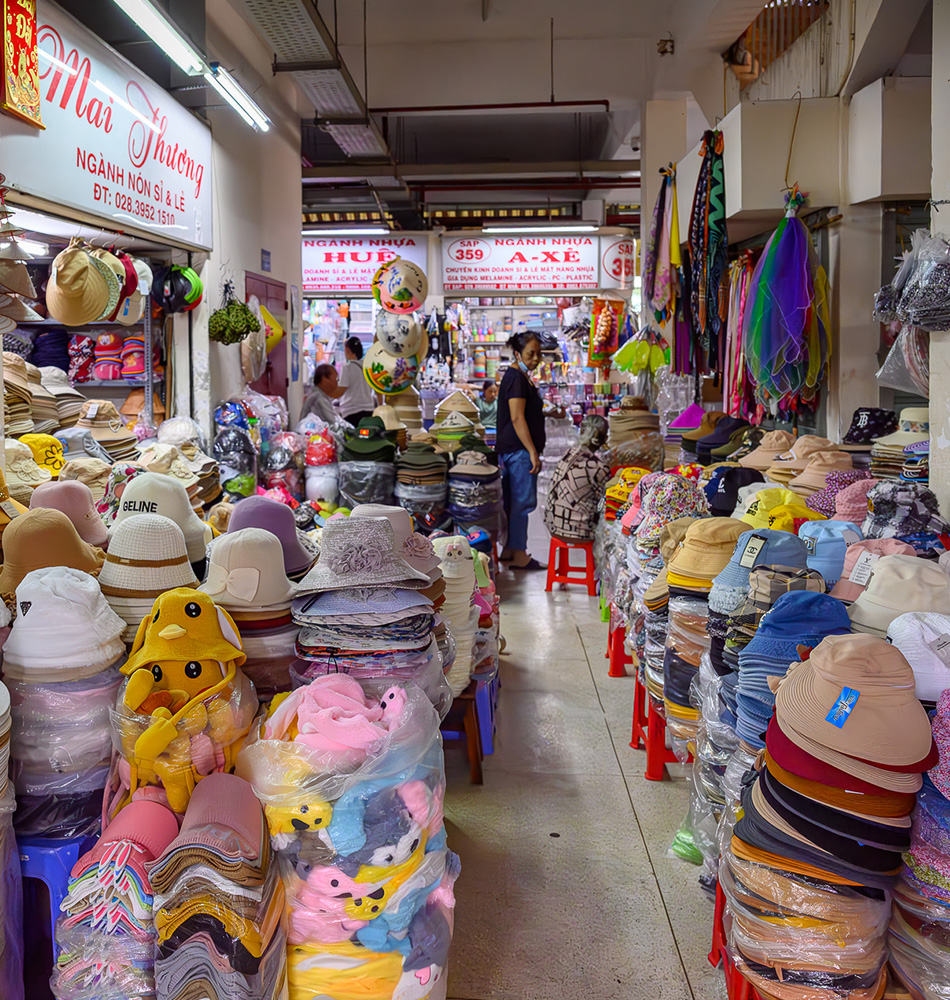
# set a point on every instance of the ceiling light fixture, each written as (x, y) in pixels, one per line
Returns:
(165, 34)
(546, 230)
(237, 97)
(342, 231)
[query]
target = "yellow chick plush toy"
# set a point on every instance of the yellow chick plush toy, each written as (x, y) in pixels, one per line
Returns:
(183, 675)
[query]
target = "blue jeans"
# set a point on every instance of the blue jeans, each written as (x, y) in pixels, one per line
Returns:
(520, 491)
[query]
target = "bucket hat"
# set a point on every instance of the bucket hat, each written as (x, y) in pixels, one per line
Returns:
(78, 292)
(47, 452)
(851, 502)
(120, 475)
(854, 695)
(42, 538)
(756, 514)
(167, 460)
(246, 572)
(77, 442)
(897, 508)
(924, 639)
(859, 559)
(91, 471)
(796, 458)
(410, 545)
(75, 500)
(147, 556)
(669, 498)
(725, 498)
(773, 444)
(827, 543)
(473, 463)
(867, 424)
(760, 547)
(360, 552)
(836, 481)
(899, 584)
(705, 549)
(278, 519)
(912, 426)
(64, 629)
(799, 617)
(23, 475)
(814, 476)
(154, 493)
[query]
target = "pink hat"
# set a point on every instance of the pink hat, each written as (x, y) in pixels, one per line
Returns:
(149, 826)
(851, 504)
(848, 591)
(75, 500)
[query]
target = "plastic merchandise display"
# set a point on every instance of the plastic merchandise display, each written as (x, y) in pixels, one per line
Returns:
(425, 502)
(366, 482)
(237, 454)
(350, 776)
(907, 365)
(11, 903)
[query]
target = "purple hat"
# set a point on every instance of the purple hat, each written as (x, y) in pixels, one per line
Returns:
(824, 500)
(278, 519)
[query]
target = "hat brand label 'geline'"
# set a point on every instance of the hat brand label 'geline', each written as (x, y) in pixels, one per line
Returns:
(140, 506)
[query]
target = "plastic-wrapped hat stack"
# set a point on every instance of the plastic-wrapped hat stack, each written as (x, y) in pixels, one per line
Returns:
(350, 773)
(42, 402)
(11, 887)
(147, 556)
(475, 494)
(634, 435)
(321, 470)
(61, 663)
(17, 399)
(68, 400)
(458, 611)
(278, 519)
(186, 660)
(421, 480)
(219, 872)
(105, 933)
(103, 421)
(246, 577)
(827, 819)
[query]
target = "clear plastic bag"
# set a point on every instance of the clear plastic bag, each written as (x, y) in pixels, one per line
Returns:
(97, 966)
(366, 482)
(925, 298)
(11, 903)
(907, 365)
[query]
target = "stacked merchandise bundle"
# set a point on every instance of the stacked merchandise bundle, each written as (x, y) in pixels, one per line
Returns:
(133, 359)
(408, 410)
(246, 577)
(275, 517)
(634, 437)
(859, 562)
(68, 400)
(393, 424)
(455, 426)
(184, 665)
(368, 607)
(902, 510)
(51, 347)
(460, 611)
(723, 441)
(17, 399)
(321, 472)
(421, 481)
(868, 423)
(688, 420)
(108, 354)
(690, 439)
(456, 402)
(367, 473)
(79, 443)
(11, 889)
(916, 462)
(350, 775)
(487, 635)
(888, 452)
(81, 358)
(792, 463)
(169, 461)
(620, 489)
(219, 900)
(475, 494)
(106, 931)
(61, 668)
(234, 450)
(103, 421)
(42, 402)
(825, 821)
(899, 584)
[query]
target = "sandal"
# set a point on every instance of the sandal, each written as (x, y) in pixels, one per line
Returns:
(531, 564)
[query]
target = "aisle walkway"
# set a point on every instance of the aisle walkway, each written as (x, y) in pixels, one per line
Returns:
(567, 889)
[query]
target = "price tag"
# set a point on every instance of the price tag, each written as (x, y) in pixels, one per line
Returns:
(861, 572)
(941, 646)
(92, 411)
(9, 509)
(752, 549)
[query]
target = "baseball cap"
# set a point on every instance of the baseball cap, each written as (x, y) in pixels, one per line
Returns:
(791, 516)
(773, 444)
(725, 498)
(827, 542)
(756, 515)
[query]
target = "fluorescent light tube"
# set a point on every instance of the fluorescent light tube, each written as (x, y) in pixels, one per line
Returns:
(548, 230)
(165, 34)
(359, 231)
(237, 97)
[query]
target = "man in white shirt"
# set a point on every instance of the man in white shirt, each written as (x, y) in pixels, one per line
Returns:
(326, 389)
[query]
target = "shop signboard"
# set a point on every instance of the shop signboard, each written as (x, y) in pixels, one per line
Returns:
(581, 262)
(116, 146)
(21, 85)
(337, 264)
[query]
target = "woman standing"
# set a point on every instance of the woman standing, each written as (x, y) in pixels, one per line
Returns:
(356, 396)
(520, 442)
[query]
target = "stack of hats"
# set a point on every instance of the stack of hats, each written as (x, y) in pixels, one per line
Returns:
(836, 481)
(278, 519)
(105, 934)
(108, 354)
(23, 475)
(859, 560)
(773, 444)
(79, 443)
(208, 488)
(702, 555)
(167, 460)
(916, 462)
(421, 479)
(867, 424)
(634, 435)
(475, 494)
(724, 440)
(621, 491)
(94, 472)
(452, 428)
(135, 403)
(17, 398)
(75, 500)
(887, 452)
(827, 818)
(899, 584)
(246, 577)
(798, 618)
(133, 359)
(42, 402)
(322, 474)
(68, 400)
(759, 504)
(707, 424)
(459, 611)
(789, 464)
(82, 358)
(51, 347)
(102, 420)
(814, 477)
(369, 441)
(827, 543)
(392, 423)
(60, 663)
(456, 402)
(39, 538)
(146, 557)
(900, 510)
(219, 900)
(724, 486)
(688, 420)
(408, 410)
(851, 502)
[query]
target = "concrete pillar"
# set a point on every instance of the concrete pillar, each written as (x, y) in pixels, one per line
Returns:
(663, 138)
(940, 191)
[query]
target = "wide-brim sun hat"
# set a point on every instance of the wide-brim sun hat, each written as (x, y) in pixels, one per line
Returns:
(78, 292)
(42, 538)
(899, 584)
(277, 518)
(924, 639)
(410, 545)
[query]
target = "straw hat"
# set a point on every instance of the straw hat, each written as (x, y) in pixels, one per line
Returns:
(78, 290)
(155, 493)
(14, 277)
(75, 500)
(246, 572)
(41, 538)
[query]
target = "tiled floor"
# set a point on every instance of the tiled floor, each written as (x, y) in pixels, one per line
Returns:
(567, 890)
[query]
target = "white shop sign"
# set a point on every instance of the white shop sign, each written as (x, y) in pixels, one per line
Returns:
(333, 264)
(115, 145)
(525, 263)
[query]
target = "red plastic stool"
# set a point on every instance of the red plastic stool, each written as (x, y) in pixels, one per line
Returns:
(737, 986)
(657, 754)
(638, 738)
(560, 569)
(617, 655)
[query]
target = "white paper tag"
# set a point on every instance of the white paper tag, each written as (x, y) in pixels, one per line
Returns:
(92, 411)
(861, 572)
(9, 509)
(752, 549)
(940, 645)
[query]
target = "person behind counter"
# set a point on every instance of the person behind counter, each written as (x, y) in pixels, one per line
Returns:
(325, 390)
(487, 403)
(520, 443)
(356, 397)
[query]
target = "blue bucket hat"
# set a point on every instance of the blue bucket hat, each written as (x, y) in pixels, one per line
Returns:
(798, 618)
(774, 548)
(827, 542)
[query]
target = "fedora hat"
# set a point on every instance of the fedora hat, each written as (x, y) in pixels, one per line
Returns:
(155, 493)
(360, 552)
(75, 500)
(39, 538)
(246, 572)
(78, 290)
(410, 545)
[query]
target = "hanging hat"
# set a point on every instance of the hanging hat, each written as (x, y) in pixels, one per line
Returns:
(389, 373)
(410, 545)
(155, 493)
(17, 310)
(400, 286)
(899, 584)
(360, 552)
(132, 306)
(47, 452)
(78, 292)
(75, 500)
(246, 572)
(41, 538)
(278, 519)
(14, 277)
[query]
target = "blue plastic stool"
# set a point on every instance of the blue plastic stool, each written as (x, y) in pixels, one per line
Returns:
(486, 698)
(50, 862)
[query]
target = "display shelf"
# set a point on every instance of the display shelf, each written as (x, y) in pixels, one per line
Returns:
(109, 383)
(76, 329)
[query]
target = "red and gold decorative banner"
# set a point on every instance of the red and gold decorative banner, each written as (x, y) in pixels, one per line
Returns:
(21, 84)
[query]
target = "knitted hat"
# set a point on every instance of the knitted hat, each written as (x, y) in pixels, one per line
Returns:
(154, 493)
